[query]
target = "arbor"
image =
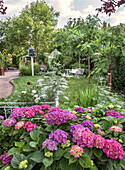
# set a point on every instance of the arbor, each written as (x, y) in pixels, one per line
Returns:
(2, 9)
(109, 6)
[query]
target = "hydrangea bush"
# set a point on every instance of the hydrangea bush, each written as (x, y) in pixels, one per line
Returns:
(40, 137)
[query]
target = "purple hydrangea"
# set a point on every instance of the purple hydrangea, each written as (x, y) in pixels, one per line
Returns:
(59, 136)
(80, 110)
(16, 113)
(87, 123)
(45, 106)
(113, 149)
(57, 117)
(72, 116)
(1, 117)
(6, 160)
(9, 122)
(37, 109)
(74, 127)
(99, 141)
(113, 113)
(54, 109)
(52, 145)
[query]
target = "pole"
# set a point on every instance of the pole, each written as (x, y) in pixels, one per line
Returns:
(89, 69)
(32, 65)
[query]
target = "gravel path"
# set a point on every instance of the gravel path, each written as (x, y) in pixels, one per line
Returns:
(6, 87)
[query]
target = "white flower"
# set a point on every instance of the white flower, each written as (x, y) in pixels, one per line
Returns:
(24, 92)
(36, 95)
(33, 91)
(37, 100)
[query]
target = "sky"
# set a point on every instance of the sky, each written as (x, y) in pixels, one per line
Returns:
(68, 9)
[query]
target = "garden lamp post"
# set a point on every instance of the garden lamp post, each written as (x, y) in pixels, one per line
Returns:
(32, 54)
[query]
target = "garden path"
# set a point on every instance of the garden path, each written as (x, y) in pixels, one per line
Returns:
(6, 87)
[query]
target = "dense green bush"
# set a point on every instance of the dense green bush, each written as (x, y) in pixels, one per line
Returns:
(27, 71)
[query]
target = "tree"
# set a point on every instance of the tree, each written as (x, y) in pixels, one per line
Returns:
(109, 6)
(2, 9)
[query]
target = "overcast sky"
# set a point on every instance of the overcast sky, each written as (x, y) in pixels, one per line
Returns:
(68, 9)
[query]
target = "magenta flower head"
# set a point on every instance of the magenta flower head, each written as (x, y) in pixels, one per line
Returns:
(116, 128)
(87, 123)
(72, 116)
(1, 117)
(80, 110)
(113, 114)
(100, 132)
(9, 122)
(57, 117)
(45, 106)
(6, 160)
(99, 141)
(52, 145)
(54, 109)
(74, 127)
(29, 113)
(29, 126)
(59, 136)
(113, 149)
(19, 124)
(76, 151)
(37, 109)
(16, 113)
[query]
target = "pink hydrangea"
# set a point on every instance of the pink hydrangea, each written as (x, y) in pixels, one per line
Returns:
(37, 109)
(29, 114)
(116, 128)
(100, 132)
(29, 126)
(9, 122)
(113, 149)
(45, 106)
(74, 127)
(19, 124)
(83, 137)
(113, 113)
(99, 141)
(54, 109)
(76, 151)
(16, 113)
(72, 116)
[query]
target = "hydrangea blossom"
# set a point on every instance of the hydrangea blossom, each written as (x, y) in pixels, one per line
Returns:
(16, 113)
(76, 151)
(52, 145)
(19, 124)
(80, 110)
(6, 160)
(1, 117)
(37, 109)
(99, 141)
(29, 113)
(29, 126)
(9, 122)
(54, 109)
(74, 127)
(100, 132)
(116, 128)
(59, 136)
(113, 149)
(45, 106)
(113, 113)
(72, 116)
(57, 117)
(87, 123)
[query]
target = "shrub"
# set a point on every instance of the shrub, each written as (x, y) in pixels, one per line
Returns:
(27, 71)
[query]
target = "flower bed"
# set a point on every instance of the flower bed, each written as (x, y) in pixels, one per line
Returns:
(40, 137)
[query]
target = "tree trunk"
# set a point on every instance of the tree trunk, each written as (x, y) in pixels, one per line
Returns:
(89, 69)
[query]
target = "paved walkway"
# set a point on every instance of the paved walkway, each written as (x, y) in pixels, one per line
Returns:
(6, 87)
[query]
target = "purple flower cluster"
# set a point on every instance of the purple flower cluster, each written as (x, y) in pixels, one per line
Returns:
(113, 149)
(113, 113)
(9, 122)
(52, 145)
(74, 127)
(16, 113)
(72, 116)
(59, 136)
(6, 160)
(54, 109)
(57, 117)
(1, 118)
(80, 110)
(37, 109)
(87, 123)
